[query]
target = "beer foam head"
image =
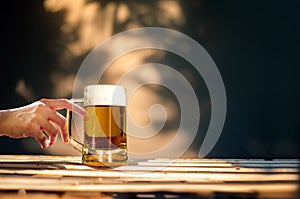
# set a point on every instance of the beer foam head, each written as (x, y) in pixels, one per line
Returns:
(104, 94)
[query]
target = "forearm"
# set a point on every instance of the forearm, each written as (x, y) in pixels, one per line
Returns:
(5, 124)
(39, 120)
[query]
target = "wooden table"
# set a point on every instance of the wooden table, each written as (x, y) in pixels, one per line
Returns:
(25, 176)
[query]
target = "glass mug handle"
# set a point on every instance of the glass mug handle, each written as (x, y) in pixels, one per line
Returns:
(76, 144)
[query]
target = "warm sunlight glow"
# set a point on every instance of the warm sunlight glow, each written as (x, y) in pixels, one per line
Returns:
(87, 24)
(172, 13)
(122, 13)
(93, 23)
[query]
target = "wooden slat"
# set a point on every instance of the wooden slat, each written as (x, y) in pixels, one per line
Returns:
(148, 167)
(253, 165)
(54, 196)
(153, 177)
(198, 176)
(39, 158)
(283, 188)
(57, 170)
(204, 160)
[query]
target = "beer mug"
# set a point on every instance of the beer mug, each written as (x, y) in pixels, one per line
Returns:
(105, 139)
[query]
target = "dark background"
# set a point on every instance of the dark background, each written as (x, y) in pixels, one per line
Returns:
(255, 45)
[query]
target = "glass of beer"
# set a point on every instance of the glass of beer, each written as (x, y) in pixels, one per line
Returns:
(105, 140)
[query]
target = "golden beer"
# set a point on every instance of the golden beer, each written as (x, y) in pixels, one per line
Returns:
(105, 141)
(103, 127)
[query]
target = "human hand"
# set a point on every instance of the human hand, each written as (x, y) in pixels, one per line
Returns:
(39, 120)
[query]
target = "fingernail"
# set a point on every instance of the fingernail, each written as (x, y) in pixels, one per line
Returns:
(45, 144)
(67, 139)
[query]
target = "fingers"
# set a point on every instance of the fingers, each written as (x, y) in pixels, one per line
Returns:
(56, 119)
(50, 118)
(51, 132)
(41, 121)
(34, 130)
(44, 139)
(60, 120)
(46, 134)
(57, 104)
